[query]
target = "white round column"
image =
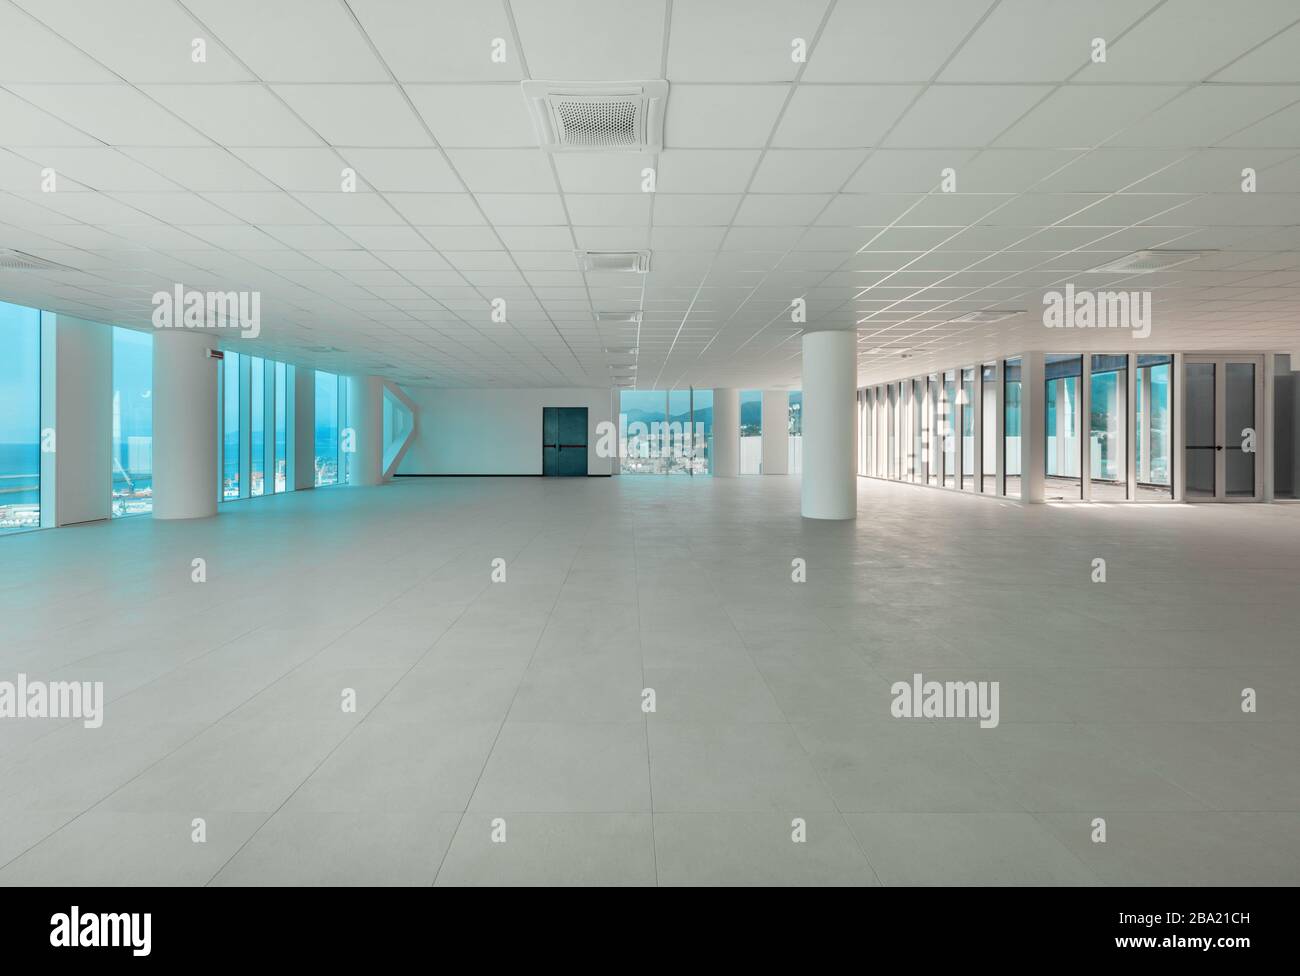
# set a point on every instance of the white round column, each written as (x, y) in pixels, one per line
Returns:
(184, 425)
(366, 418)
(830, 379)
(726, 433)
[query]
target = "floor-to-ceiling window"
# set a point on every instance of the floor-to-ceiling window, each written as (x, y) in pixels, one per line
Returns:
(933, 423)
(1011, 425)
(968, 429)
(281, 428)
(666, 431)
(751, 431)
(989, 433)
(1108, 428)
(132, 455)
(257, 426)
(679, 432)
(230, 427)
(1064, 452)
(327, 428)
(918, 430)
(702, 435)
(949, 421)
(20, 418)
(1153, 427)
(795, 448)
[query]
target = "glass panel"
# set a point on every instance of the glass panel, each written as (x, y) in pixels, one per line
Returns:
(679, 432)
(230, 426)
(948, 421)
(1152, 412)
(893, 431)
(1239, 430)
(1199, 453)
(1107, 428)
(1064, 455)
(346, 445)
(1285, 429)
(257, 425)
(989, 435)
(932, 446)
(281, 429)
(327, 428)
(795, 460)
(1011, 425)
(642, 416)
(703, 463)
(132, 461)
(751, 431)
(20, 418)
(918, 431)
(968, 429)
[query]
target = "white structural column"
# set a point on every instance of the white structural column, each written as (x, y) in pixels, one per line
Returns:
(1033, 437)
(829, 489)
(366, 419)
(184, 425)
(776, 432)
(302, 421)
(726, 433)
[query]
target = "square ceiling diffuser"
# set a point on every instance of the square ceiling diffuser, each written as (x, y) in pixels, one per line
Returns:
(1145, 262)
(574, 116)
(618, 262)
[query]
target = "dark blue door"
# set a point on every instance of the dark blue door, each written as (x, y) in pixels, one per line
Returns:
(564, 441)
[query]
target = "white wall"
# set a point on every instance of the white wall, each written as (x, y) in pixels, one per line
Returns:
(495, 431)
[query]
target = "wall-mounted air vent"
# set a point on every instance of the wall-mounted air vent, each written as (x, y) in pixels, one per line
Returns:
(597, 117)
(618, 262)
(1145, 262)
(11, 260)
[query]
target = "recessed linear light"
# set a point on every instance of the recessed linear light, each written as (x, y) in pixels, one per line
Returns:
(988, 316)
(1145, 262)
(623, 351)
(619, 262)
(14, 260)
(615, 316)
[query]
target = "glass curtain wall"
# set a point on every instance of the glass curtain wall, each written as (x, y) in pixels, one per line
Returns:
(989, 433)
(948, 421)
(1011, 425)
(1153, 424)
(1064, 453)
(918, 431)
(131, 478)
(1108, 428)
(257, 426)
(751, 432)
(795, 460)
(20, 418)
(933, 421)
(327, 429)
(656, 429)
(968, 429)
(230, 432)
(281, 373)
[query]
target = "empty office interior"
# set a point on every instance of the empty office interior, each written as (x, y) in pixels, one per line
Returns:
(671, 442)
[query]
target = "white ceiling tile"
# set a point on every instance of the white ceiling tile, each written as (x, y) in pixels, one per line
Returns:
(521, 208)
(1039, 40)
(350, 208)
(842, 115)
(234, 115)
(404, 170)
(1274, 60)
(1208, 113)
(503, 170)
(806, 171)
(264, 208)
(963, 115)
(582, 172)
(694, 209)
(35, 53)
(612, 209)
(27, 125)
(778, 209)
(200, 168)
(1083, 116)
(180, 208)
(440, 40)
(739, 40)
(100, 169)
(462, 238)
(591, 40)
(722, 116)
(292, 40)
(118, 115)
(319, 237)
(1188, 40)
(475, 116)
(357, 115)
(706, 170)
(436, 208)
(391, 238)
(891, 40)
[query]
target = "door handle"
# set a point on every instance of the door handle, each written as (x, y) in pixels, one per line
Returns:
(1218, 447)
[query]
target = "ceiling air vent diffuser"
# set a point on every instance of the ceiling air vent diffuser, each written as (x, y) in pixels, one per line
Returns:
(597, 117)
(623, 262)
(1145, 262)
(11, 260)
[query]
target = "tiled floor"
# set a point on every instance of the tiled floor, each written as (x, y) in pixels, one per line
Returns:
(516, 707)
